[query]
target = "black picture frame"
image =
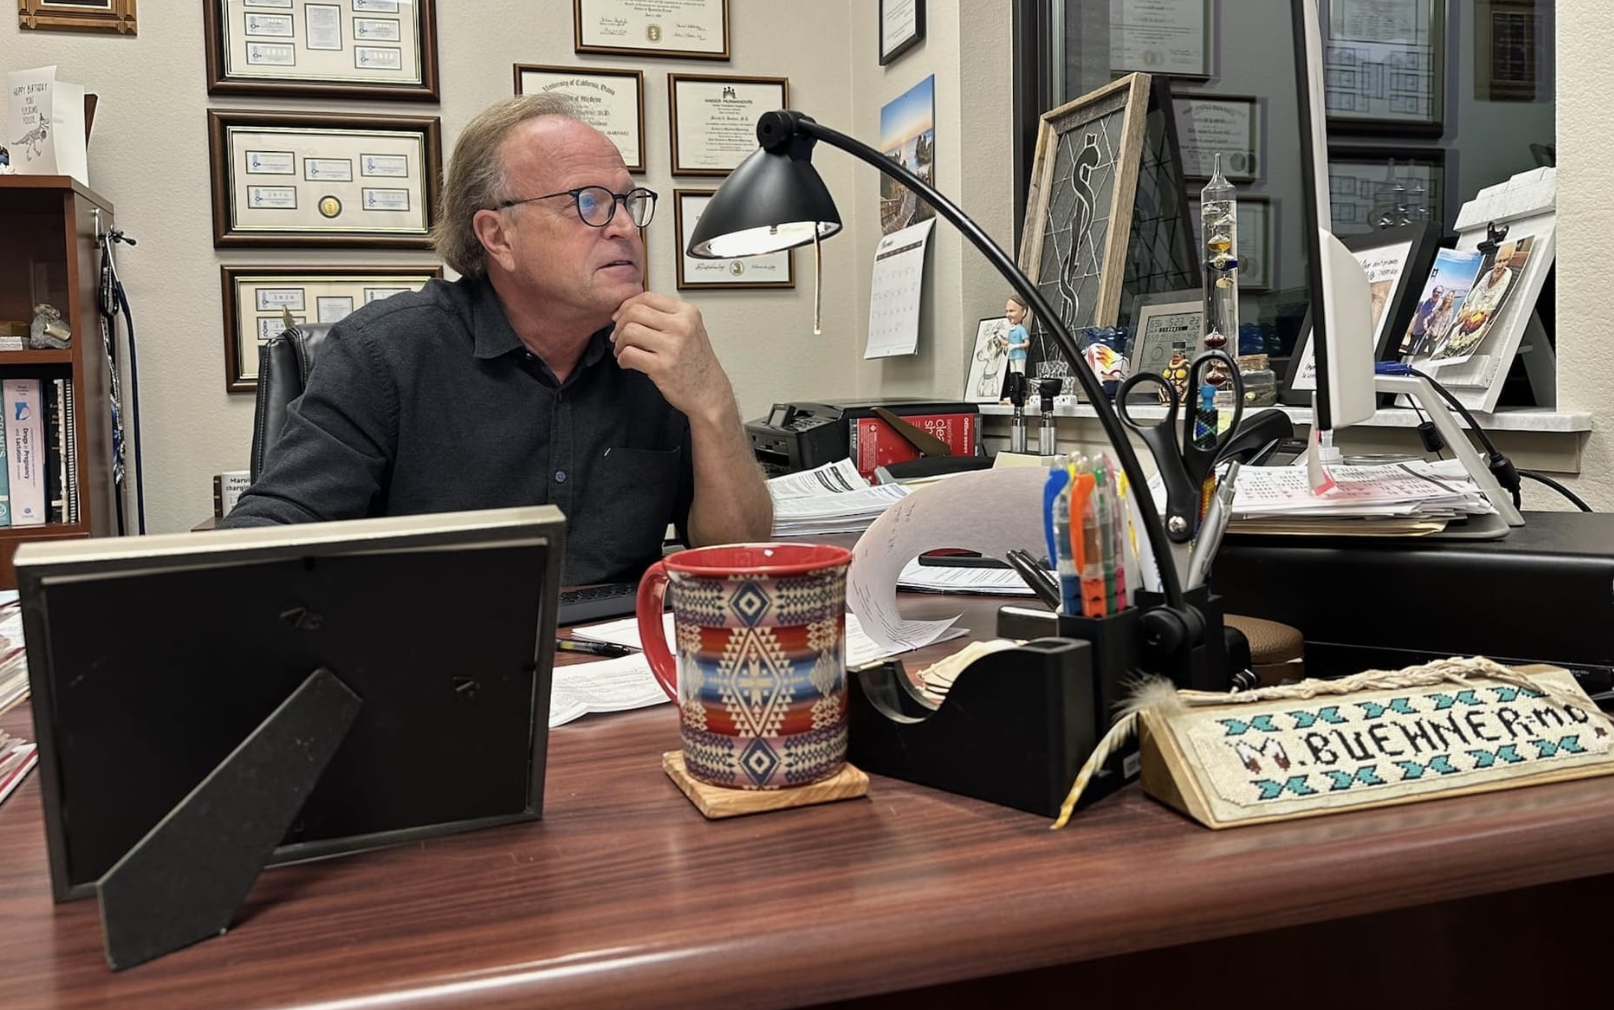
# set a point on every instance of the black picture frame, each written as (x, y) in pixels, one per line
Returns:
(909, 36)
(1422, 240)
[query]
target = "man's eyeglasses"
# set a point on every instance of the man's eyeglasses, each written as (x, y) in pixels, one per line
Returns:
(597, 205)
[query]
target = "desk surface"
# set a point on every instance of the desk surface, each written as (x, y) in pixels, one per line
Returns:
(624, 896)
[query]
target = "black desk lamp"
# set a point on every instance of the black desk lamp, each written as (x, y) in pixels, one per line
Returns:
(775, 200)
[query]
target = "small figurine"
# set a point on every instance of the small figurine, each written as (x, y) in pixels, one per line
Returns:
(48, 331)
(1176, 373)
(1019, 338)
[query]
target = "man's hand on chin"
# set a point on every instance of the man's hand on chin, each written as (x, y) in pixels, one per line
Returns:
(666, 340)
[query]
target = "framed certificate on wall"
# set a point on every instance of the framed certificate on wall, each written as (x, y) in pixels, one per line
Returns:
(692, 29)
(318, 180)
(775, 270)
(714, 119)
(611, 101)
(259, 301)
(365, 49)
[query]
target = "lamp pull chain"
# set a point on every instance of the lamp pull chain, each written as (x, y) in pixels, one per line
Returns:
(818, 284)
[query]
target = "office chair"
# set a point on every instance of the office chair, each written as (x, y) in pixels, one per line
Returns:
(283, 366)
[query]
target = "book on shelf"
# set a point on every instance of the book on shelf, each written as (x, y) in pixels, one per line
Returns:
(25, 458)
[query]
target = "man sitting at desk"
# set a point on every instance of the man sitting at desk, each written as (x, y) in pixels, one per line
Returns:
(546, 374)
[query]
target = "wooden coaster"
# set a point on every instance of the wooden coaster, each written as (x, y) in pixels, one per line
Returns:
(720, 801)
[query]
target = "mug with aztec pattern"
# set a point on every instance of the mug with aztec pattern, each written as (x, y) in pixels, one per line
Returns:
(760, 670)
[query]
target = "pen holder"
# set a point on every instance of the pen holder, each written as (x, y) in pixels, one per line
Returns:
(1014, 729)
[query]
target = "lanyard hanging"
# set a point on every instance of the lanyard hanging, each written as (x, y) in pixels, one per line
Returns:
(113, 302)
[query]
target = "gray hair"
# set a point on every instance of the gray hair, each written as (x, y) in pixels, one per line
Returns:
(476, 177)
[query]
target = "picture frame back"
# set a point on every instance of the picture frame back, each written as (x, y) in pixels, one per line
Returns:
(1079, 204)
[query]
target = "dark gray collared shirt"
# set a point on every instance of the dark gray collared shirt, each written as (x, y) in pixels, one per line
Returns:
(429, 402)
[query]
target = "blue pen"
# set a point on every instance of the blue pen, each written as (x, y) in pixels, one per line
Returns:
(1058, 480)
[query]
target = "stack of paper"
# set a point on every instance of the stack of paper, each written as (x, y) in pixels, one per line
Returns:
(916, 577)
(614, 685)
(17, 757)
(13, 661)
(1408, 498)
(833, 498)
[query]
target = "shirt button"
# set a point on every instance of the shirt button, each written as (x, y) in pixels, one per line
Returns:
(560, 476)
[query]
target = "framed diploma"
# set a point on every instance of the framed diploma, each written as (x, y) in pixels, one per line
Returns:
(611, 101)
(902, 26)
(259, 300)
(364, 49)
(318, 180)
(1208, 125)
(1173, 37)
(78, 15)
(775, 270)
(714, 119)
(693, 29)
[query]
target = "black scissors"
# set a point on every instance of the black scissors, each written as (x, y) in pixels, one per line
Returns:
(1184, 461)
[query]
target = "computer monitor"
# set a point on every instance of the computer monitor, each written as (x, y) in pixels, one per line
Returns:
(151, 660)
(1341, 301)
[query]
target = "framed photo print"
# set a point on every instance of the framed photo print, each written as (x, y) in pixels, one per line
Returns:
(902, 26)
(1384, 66)
(1208, 125)
(258, 301)
(1175, 37)
(363, 49)
(1370, 188)
(79, 15)
(714, 119)
(611, 101)
(323, 180)
(775, 270)
(1084, 181)
(1397, 261)
(691, 29)
(989, 361)
(1160, 321)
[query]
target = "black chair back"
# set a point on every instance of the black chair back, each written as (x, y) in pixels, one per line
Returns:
(283, 366)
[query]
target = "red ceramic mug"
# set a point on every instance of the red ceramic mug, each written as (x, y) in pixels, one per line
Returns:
(760, 671)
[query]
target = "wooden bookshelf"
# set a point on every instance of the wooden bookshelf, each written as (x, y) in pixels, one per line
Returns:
(49, 255)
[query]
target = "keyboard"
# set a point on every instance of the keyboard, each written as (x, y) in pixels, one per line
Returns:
(596, 603)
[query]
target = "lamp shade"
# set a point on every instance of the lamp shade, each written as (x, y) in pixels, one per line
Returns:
(773, 201)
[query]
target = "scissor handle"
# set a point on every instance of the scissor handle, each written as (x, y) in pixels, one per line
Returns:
(1169, 397)
(1199, 457)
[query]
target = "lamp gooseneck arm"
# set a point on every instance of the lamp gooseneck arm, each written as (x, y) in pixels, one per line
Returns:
(775, 129)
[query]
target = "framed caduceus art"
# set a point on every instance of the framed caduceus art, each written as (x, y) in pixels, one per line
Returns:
(1079, 206)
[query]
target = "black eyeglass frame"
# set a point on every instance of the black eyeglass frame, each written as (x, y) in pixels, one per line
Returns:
(618, 200)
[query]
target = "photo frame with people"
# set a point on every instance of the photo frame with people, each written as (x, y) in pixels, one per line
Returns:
(1397, 262)
(1508, 233)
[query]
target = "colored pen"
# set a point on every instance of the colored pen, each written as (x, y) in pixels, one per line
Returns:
(1210, 532)
(610, 649)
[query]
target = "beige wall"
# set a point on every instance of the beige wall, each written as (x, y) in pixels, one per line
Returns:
(1585, 222)
(149, 156)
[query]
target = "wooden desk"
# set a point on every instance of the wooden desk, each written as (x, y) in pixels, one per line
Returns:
(623, 896)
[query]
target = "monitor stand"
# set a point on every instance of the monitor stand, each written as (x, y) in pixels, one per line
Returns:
(183, 881)
(1419, 389)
